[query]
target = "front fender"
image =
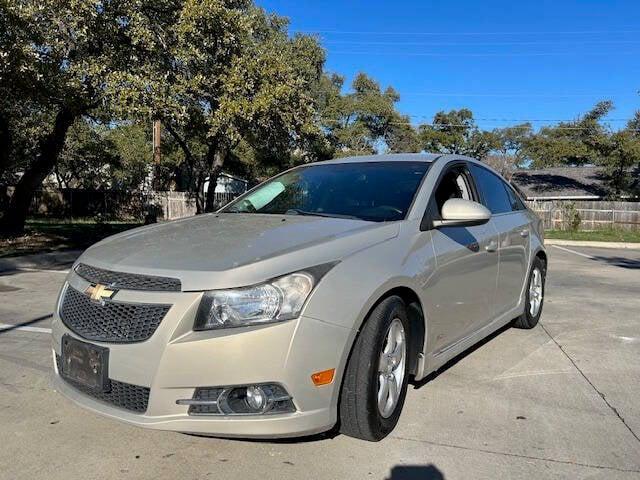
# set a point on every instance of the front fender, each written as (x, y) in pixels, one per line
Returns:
(349, 291)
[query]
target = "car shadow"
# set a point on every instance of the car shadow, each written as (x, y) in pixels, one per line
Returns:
(415, 472)
(335, 431)
(621, 262)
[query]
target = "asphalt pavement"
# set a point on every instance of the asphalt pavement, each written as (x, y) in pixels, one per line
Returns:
(558, 401)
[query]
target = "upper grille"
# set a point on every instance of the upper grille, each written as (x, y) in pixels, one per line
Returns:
(120, 394)
(110, 321)
(128, 281)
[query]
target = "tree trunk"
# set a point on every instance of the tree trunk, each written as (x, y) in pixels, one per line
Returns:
(199, 192)
(219, 156)
(49, 149)
(196, 178)
(5, 144)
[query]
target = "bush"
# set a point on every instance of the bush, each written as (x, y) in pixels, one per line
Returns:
(571, 217)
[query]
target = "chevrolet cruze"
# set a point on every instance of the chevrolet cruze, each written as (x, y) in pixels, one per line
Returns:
(306, 304)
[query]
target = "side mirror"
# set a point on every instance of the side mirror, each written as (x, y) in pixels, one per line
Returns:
(457, 212)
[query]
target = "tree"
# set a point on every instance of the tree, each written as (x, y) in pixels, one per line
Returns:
(229, 74)
(513, 141)
(505, 165)
(86, 157)
(456, 132)
(508, 148)
(633, 126)
(64, 61)
(620, 156)
(575, 143)
(588, 141)
(400, 135)
(363, 120)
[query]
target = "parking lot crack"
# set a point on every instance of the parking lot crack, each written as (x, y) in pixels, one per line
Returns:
(602, 395)
(517, 455)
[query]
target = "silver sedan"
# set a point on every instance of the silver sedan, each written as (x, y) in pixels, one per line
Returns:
(307, 304)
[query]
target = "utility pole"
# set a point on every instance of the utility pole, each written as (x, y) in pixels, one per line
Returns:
(157, 135)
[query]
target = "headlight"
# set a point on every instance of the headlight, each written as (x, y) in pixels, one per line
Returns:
(274, 301)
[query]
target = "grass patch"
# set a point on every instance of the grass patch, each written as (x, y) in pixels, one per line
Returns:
(50, 235)
(608, 235)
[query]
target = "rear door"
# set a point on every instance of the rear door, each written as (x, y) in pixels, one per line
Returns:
(508, 215)
(460, 293)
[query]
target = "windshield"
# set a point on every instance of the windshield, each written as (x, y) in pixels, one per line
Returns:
(374, 191)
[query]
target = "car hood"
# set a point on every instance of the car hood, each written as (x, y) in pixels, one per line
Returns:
(230, 250)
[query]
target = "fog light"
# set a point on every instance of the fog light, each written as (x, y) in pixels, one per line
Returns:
(256, 398)
(262, 399)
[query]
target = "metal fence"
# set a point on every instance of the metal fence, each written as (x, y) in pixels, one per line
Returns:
(591, 214)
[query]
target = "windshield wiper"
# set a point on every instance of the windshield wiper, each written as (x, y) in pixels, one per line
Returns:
(297, 211)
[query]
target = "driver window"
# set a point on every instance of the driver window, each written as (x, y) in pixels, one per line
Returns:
(454, 184)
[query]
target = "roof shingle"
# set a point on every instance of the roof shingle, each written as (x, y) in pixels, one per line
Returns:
(561, 182)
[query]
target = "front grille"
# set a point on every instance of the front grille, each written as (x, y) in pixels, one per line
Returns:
(128, 281)
(122, 395)
(110, 321)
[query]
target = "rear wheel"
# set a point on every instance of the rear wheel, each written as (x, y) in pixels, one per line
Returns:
(534, 296)
(375, 381)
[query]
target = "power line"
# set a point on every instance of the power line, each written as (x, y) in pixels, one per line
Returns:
(443, 125)
(543, 54)
(530, 120)
(520, 95)
(454, 33)
(476, 44)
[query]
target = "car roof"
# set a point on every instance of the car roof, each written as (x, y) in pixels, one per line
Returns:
(389, 157)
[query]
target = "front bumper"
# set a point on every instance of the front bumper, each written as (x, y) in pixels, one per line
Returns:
(176, 360)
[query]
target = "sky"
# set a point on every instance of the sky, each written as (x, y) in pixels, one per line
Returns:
(508, 61)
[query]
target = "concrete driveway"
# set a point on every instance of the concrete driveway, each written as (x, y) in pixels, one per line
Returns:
(559, 401)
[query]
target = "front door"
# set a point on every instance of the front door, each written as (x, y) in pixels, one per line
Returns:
(460, 293)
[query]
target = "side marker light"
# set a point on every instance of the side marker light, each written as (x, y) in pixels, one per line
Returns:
(324, 377)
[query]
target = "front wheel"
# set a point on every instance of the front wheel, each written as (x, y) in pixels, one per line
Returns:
(375, 381)
(534, 296)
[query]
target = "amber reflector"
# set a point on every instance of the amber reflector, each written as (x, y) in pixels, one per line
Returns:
(323, 378)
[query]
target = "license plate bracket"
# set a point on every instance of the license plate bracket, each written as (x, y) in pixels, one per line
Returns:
(85, 364)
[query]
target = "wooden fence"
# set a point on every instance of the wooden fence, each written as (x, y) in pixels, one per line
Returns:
(556, 214)
(174, 205)
(593, 214)
(117, 205)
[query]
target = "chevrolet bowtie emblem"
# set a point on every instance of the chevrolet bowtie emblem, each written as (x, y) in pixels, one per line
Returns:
(99, 292)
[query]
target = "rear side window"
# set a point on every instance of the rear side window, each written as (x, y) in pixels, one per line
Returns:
(516, 203)
(493, 190)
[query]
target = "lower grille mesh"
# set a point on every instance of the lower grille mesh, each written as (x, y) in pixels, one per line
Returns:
(122, 395)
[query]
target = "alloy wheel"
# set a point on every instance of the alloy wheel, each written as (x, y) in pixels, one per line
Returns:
(391, 368)
(535, 292)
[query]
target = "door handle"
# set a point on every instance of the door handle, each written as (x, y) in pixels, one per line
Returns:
(492, 246)
(524, 233)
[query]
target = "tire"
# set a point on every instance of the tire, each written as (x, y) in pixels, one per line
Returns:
(531, 315)
(359, 412)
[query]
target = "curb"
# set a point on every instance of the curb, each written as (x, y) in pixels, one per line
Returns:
(586, 243)
(38, 261)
